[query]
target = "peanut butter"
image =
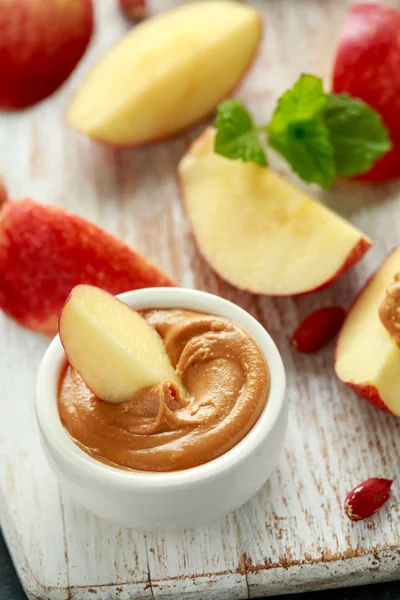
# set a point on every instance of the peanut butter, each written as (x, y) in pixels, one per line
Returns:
(227, 380)
(389, 310)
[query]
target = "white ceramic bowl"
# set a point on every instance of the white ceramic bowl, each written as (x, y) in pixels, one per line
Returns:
(180, 498)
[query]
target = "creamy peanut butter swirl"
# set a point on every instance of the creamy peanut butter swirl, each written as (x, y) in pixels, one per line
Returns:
(227, 380)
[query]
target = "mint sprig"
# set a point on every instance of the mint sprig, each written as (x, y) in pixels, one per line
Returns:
(320, 135)
(300, 103)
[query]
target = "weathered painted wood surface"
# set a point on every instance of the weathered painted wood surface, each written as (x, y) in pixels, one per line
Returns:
(292, 536)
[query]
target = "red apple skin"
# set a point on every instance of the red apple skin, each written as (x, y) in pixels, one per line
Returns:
(355, 256)
(369, 393)
(40, 44)
(45, 251)
(388, 167)
(367, 66)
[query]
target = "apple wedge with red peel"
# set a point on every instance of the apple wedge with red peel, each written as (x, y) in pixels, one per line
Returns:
(41, 42)
(111, 346)
(367, 358)
(45, 251)
(367, 66)
(258, 231)
(167, 73)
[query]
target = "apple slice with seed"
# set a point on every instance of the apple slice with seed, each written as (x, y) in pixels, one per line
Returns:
(111, 346)
(318, 328)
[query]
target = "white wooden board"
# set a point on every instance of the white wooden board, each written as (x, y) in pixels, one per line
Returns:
(293, 535)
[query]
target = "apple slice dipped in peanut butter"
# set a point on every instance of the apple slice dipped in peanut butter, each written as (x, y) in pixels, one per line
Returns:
(111, 346)
(120, 398)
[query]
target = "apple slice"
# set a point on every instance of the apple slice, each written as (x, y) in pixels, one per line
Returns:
(45, 251)
(167, 73)
(258, 231)
(367, 66)
(367, 358)
(41, 42)
(111, 346)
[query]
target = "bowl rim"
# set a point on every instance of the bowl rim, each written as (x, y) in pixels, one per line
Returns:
(64, 449)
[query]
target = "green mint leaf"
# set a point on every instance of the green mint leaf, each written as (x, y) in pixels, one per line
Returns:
(301, 103)
(307, 148)
(298, 134)
(358, 136)
(235, 134)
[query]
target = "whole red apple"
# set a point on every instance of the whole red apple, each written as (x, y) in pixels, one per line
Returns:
(367, 66)
(41, 41)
